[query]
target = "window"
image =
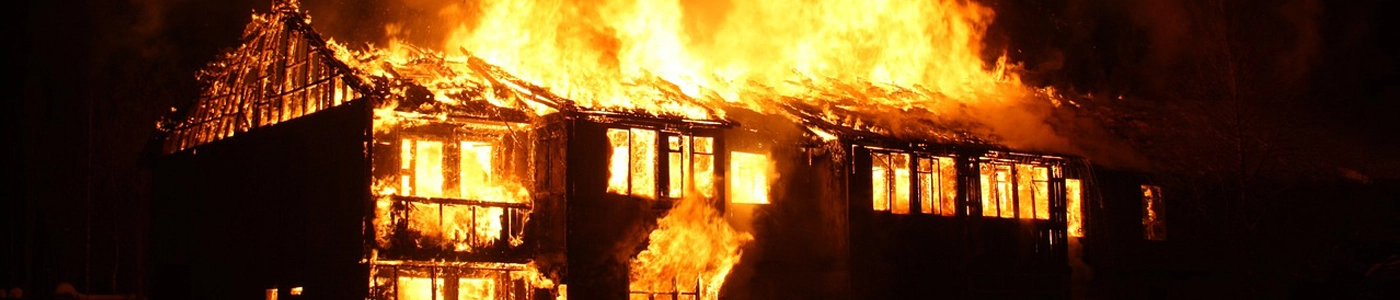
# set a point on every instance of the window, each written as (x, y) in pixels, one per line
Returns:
(748, 174)
(437, 169)
(1015, 191)
(466, 170)
(421, 172)
(690, 166)
(633, 164)
(901, 182)
(889, 176)
(1073, 197)
(937, 181)
(1152, 226)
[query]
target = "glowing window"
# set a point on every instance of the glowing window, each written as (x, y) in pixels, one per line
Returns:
(437, 169)
(748, 174)
(996, 191)
(689, 166)
(1016, 190)
(1152, 226)
(937, 181)
(890, 182)
(1073, 198)
(1032, 191)
(632, 168)
(474, 169)
(476, 289)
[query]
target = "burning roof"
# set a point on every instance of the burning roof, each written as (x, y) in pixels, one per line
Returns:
(285, 69)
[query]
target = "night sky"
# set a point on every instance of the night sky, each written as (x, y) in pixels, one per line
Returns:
(1288, 80)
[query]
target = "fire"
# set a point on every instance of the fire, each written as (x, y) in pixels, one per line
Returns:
(692, 247)
(1073, 198)
(915, 59)
(751, 177)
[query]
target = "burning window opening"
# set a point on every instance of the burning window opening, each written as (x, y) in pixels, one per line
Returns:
(937, 185)
(748, 177)
(409, 280)
(632, 166)
(632, 170)
(1015, 190)
(690, 165)
(889, 174)
(932, 185)
(1153, 228)
(1074, 195)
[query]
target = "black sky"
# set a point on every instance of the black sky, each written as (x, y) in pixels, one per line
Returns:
(88, 81)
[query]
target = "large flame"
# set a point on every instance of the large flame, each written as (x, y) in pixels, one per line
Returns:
(692, 248)
(886, 62)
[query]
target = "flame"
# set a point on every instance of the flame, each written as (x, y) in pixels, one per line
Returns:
(692, 247)
(750, 173)
(885, 62)
(1073, 197)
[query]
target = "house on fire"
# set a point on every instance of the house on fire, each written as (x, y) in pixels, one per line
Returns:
(305, 170)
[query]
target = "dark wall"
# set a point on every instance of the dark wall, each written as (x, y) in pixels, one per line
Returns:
(281, 205)
(604, 229)
(801, 237)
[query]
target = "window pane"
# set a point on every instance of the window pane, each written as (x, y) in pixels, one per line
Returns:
(675, 184)
(928, 191)
(417, 288)
(989, 204)
(644, 163)
(475, 170)
(476, 289)
(749, 177)
(1073, 196)
(428, 169)
(705, 175)
(1003, 191)
(1025, 191)
(879, 182)
(704, 145)
(948, 185)
(900, 164)
(618, 163)
(1042, 193)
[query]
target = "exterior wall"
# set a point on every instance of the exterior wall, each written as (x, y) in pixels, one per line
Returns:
(453, 203)
(967, 255)
(801, 247)
(606, 230)
(276, 206)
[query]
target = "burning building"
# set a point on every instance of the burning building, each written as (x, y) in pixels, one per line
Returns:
(307, 169)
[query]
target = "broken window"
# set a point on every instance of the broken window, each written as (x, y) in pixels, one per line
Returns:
(889, 176)
(937, 181)
(1015, 191)
(748, 174)
(1073, 198)
(1152, 226)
